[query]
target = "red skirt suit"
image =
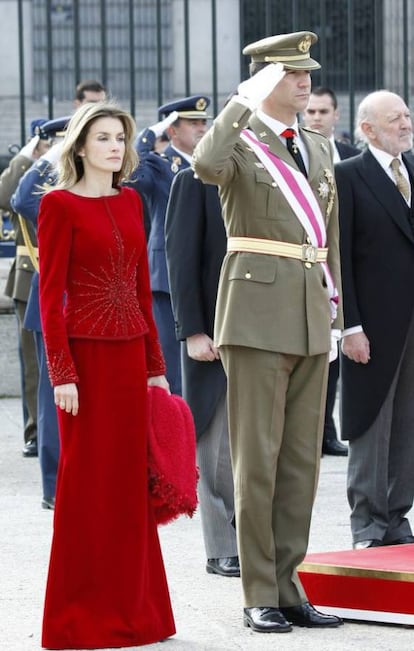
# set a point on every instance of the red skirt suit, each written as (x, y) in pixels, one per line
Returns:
(106, 584)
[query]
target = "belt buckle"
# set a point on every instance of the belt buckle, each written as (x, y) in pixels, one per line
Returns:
(309, 253)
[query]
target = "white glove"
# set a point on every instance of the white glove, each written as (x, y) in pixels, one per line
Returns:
(258, 87)
(53, 154)
(29, 147)
(335, 337)
(160, 127)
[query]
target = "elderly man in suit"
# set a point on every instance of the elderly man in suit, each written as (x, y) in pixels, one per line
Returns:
(322, 114)
(195, 243)
(377, 253)
(277, 302)
(184, 120)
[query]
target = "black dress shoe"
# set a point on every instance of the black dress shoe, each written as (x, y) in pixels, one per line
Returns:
(266, 620)
(365, 544)
(30, 449)
(405, 540)
(306, 615)
(224, 566)
(335, 448)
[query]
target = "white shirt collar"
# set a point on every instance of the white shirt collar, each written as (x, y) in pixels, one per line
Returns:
(383, 157)
(335, 153)
(275, 125)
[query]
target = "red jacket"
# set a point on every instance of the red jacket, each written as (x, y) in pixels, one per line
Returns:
(94, 281)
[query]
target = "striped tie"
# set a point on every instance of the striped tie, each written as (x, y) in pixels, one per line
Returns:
(399, 178)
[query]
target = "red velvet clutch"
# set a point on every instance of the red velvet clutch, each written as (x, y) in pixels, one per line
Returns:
(172, 469)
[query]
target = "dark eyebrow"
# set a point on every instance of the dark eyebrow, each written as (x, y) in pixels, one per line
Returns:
(106, 133)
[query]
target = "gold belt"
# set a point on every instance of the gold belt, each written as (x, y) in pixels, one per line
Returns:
(304, 252)
(24, 250)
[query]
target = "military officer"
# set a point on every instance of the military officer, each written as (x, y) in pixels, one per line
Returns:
(25, 201)
(184, 121)
(20, 276)
(277, 302)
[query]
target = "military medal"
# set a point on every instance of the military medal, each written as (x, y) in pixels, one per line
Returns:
(175, 165)
(326, 190)
(323, 190)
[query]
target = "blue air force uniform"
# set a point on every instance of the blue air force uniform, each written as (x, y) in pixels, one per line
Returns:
(153, 179)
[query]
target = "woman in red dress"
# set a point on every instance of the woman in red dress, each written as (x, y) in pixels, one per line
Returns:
(106, 584)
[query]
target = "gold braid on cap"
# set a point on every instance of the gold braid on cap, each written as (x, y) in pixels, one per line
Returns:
(293, 57)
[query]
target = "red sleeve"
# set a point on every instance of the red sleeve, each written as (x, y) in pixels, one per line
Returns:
(55, 238)
(155, 359)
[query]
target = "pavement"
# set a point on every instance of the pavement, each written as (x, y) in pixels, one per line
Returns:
(208, 608)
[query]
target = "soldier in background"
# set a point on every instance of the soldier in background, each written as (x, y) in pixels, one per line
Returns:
(20, 277)
(184, 122)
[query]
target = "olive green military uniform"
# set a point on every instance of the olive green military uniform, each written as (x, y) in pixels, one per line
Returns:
(18, 288)
(273, 324)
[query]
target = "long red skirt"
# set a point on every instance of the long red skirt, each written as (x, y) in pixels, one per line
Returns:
(106, 585)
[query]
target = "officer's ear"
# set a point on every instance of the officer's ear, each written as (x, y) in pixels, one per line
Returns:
(368, 129)
(172, 129)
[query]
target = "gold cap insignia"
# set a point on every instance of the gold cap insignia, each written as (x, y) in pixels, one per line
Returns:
(201, 104)
(304, 44)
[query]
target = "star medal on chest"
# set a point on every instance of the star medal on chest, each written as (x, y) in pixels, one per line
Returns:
(323, 189)
(175, 165)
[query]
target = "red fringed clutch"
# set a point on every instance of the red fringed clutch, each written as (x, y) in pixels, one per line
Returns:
(172, 469)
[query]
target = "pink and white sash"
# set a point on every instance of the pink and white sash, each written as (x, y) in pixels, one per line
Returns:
(299, 194)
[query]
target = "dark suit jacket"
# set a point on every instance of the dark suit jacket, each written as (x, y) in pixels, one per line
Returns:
(153, 179)
(195, 242)
(345, 150)
(377, 257)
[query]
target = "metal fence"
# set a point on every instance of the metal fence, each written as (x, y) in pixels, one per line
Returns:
(129, 45)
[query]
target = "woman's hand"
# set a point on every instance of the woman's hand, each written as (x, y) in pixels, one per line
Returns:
(66, 398)
(159, 381)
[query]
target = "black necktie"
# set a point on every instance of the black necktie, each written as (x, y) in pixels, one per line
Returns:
(293, 149)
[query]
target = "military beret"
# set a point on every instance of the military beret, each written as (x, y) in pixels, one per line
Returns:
(53, 128)
(290, 49)
(192, 108)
